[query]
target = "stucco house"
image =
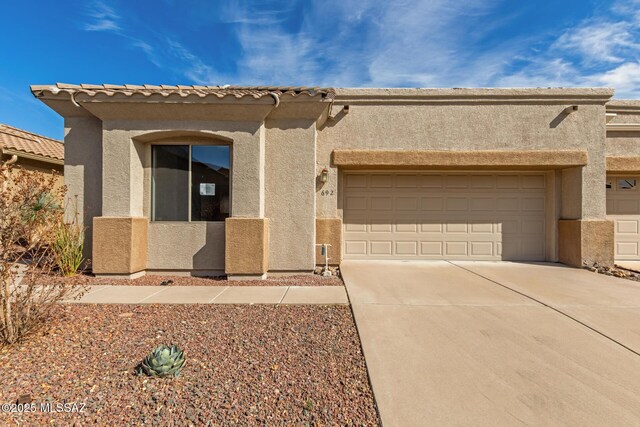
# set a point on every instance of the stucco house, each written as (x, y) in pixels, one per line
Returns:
(31, 151)
(246, 181)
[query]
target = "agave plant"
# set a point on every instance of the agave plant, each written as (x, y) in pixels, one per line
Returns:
(164, 361)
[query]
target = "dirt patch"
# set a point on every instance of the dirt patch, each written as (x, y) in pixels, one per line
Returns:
(152, 280)
(246, 365)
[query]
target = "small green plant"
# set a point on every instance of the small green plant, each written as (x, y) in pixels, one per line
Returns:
(164, 361)
(68, 243)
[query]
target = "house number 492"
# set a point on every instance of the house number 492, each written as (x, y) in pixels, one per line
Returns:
(326, 193)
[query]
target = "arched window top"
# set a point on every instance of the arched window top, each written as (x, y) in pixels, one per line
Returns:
(183, 137)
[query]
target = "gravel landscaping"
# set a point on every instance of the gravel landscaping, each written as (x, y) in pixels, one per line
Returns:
(245, 365)
(614, 271)
(152, 280)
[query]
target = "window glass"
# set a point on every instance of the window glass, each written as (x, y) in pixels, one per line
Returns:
(626, 184)
(170, 180)
(210, 166)
(609, 185)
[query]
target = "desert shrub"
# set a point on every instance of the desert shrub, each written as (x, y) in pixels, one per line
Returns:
(30, 214)
(68, 242)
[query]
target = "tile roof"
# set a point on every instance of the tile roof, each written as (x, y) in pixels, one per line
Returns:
(20, 140)
(184, 91)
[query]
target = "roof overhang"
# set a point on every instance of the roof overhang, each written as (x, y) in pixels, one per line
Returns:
(31, 156)
(129, 102)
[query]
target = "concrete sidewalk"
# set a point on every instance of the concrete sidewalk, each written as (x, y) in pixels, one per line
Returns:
(105, 294)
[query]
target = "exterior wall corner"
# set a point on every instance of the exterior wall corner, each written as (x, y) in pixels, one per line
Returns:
(585, 242)
(119, 245)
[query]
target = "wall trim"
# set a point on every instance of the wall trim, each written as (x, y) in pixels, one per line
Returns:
(431, 159)
(623, 127)
(623, 164)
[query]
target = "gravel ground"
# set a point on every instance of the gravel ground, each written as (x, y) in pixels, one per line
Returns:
(302, 280)
(246, 365)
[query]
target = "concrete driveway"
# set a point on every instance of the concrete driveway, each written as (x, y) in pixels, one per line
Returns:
(483, 343)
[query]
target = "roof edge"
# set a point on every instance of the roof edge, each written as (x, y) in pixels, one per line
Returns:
(473, 94)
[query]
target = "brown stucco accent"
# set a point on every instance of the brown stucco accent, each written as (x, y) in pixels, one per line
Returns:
(329, 230)
(585, 242)
(623, 164)
(432, 159)
(246, 246)
(119, 245)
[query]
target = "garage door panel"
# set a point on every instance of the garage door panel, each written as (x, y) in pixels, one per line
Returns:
(356, 181)
(409, 248)
(457, 204)
(431, 249)
(482, 249)
(505, 204)
(407, 203)
(381, 203)
(406, 181)
(381, 181)
(624, 226)
(381, 247)
(483, 181)
(623, 208)
(533, 204)
(434, 204)
(406, 228)
(533, 181)
(355, 247)
(484, 204)
(353, 203)
(446, 216)
(507, 181)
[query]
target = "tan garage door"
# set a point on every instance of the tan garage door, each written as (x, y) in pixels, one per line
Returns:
(492, 216)
(623, 207)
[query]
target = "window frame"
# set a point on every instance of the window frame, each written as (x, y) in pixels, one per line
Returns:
(152, 183)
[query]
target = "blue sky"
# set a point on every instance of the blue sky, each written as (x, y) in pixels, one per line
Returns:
(341, 43)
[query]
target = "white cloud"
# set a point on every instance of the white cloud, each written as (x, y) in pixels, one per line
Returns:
(624, 78)
(600, 41)
(102, 18)
(438, 43)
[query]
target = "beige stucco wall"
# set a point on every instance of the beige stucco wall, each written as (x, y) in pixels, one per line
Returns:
(197, 246)
(626, 143)
(246, 246)
(471, 123)
(290, 193)
(82, 169)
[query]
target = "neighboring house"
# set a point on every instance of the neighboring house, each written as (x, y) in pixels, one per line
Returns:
(248, 180)
(31, 151)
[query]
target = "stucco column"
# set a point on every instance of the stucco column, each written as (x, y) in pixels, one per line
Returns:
(290, 193)
(585, 235)
(247, 230)
(120, 234)
(122, 175)
(247, 175)
(82, 165)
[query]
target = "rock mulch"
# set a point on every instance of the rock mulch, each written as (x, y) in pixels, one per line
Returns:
(614, 271)
(153, 280)
(246, 365)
